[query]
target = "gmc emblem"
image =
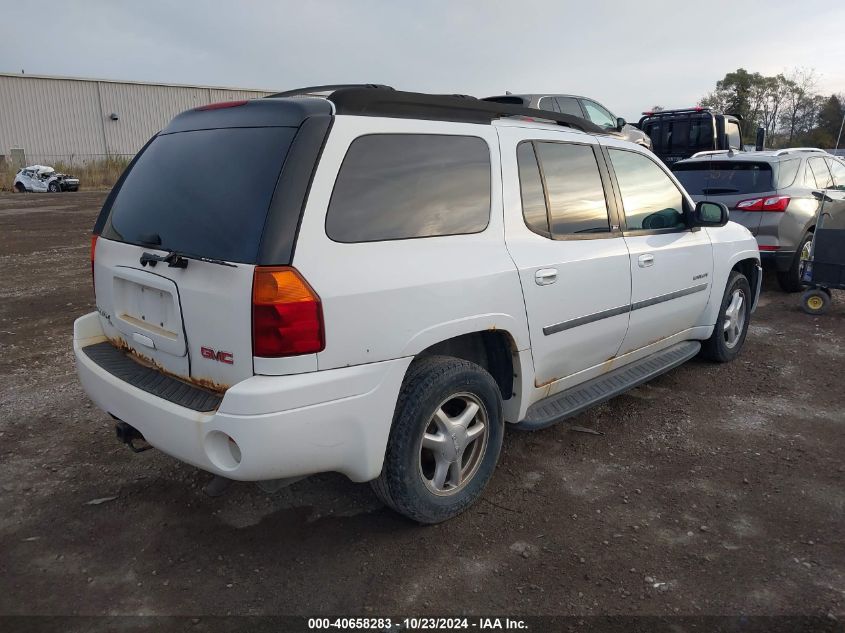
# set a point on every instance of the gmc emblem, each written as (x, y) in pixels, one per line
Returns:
(220, 357)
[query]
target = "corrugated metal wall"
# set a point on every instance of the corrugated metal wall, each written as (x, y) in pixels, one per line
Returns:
(60, 119)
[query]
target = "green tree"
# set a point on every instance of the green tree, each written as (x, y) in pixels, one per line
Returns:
(829, 122)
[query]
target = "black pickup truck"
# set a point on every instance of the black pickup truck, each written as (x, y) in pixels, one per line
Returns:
(678, 134)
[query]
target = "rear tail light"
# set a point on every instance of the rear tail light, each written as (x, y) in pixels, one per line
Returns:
(93, 250)
(287, 317)
(770, 203)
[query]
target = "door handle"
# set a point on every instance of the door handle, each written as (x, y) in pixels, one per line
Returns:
(646, 260)
(545, 276)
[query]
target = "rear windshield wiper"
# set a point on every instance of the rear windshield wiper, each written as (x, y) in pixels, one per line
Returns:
(174, 259)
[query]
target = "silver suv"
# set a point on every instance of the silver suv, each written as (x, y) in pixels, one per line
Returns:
(775, 194)
(582, 107)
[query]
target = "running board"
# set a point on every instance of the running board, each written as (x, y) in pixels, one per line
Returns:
(573, 401)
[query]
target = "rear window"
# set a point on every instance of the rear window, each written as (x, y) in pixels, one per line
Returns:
(401, 186)
(684, 134)
(721, 177)
(203, 192)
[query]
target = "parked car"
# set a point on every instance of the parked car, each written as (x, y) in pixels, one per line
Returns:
(37, 178)
(583, 107)
(377, 283)
(678, 134)
(775, 194)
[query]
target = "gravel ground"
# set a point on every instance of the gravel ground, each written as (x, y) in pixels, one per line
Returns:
(714, 489)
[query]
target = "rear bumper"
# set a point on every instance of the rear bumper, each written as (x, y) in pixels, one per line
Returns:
(780, 260)
(280, 426)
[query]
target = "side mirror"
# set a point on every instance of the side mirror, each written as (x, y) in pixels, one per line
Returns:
(710, 214)
(761, 139)
(620, 123)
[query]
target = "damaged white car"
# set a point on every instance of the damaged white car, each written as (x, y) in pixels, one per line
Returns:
(39, 178)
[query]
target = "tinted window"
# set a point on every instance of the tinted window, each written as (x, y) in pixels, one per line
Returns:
(787, 170)
(397, 186)
(598, 115)
(531, 189)
(650, 198)
(576, 197)
(732, 132)
(547, 103)
(837, 169)
(721, 177)
(204, 192)
(821, 173)
(684, 134)
(568, 105)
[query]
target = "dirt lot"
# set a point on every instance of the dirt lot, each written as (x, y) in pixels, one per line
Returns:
(715, 489)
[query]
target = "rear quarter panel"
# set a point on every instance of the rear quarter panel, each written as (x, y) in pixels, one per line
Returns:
(391, 299)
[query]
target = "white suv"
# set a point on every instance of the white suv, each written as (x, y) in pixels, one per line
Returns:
(378, 282)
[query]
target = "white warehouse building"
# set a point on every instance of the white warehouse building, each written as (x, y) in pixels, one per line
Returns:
(71, 120)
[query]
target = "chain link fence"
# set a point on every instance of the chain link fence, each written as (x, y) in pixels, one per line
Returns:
(95, 171)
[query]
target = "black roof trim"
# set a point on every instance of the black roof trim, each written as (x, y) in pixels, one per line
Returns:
(264, 112)
(694, 110)
(310, 90)
(415, 105)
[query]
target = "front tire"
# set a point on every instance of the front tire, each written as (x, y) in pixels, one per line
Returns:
(790, 280)
(445, 440)
(732, 324)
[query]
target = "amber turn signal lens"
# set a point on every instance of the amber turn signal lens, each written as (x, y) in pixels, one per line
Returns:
(287, 317)
(280, 285)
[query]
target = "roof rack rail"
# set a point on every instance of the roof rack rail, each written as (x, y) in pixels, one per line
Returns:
(313, 91)
(711, 152)
(787, 150)
(414, 105)
(677, 111)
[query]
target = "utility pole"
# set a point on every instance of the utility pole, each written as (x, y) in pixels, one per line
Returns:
(839, 137)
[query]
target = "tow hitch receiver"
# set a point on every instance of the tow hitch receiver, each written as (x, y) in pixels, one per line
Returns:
(127, 434)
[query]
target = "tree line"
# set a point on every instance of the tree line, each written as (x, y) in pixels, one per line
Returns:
(788, 106)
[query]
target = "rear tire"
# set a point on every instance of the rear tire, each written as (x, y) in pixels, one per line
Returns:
(434, 481)
(790, 280)
(53, 187)
(732, 324)
(815, 301)
(20, 188)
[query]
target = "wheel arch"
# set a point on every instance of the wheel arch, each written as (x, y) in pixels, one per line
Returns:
(752, 271)
(726, 260)
(493, 349)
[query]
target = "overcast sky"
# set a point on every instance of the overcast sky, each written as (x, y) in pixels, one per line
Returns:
(628, 55)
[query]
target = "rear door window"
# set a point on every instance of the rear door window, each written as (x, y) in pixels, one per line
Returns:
(202, 192)
(821, 173)
(401, 186)
(650, 199)
(577, 204)
(569, 105)
(837, 170)
(722, 177)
